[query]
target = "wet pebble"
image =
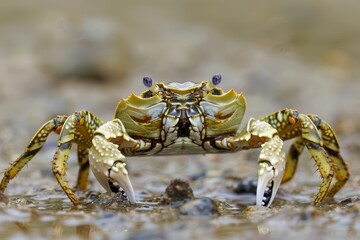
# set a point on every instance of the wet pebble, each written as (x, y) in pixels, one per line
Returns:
(246, 186)
(350, 201)
(204, 207)
(178, 191)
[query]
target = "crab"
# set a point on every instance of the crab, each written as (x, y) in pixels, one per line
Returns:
(186, 118)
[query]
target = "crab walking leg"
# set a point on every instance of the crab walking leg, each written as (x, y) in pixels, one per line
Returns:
(84, 167)
(292, 159)
(313, 142)
(271, 160)
(107, 162)
(36, 143)
(78, 128)
(332, 147)
(318, 139)
(86, 125)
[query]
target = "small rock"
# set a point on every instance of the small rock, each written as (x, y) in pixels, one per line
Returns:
(202, 207)
(350, 201)
(178, 191)
(246, 186)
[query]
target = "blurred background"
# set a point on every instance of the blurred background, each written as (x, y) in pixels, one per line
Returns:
(60, 56)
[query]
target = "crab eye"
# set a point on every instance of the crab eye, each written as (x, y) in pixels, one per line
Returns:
(216, 79)
(147, 81)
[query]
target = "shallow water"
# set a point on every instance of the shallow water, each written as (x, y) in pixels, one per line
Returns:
(58, 59)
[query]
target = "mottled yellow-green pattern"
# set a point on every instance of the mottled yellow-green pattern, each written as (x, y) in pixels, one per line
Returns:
(186, 118)
(77, 128)
(320, 140)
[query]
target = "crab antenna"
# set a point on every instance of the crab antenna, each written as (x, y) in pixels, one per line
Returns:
(147, 81)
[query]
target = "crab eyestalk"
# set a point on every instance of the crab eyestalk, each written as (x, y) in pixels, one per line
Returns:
(148, 82)
(271, 170)
(216, 79)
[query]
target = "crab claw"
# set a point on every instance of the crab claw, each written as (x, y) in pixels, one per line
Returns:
(107, 164)
(114, 178)
(119, 178)
(271, 170)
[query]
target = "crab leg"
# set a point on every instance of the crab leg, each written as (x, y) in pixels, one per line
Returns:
(84, 167)
(78, 128)
(271, 160)
(332, 147)
(292, 159)
(321, 142)
(107, 162)
(34, 146)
